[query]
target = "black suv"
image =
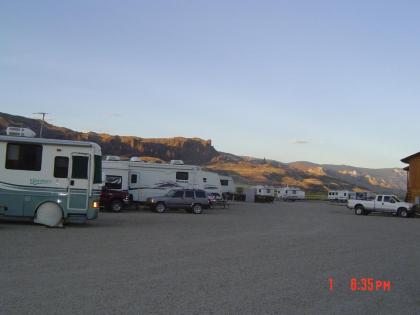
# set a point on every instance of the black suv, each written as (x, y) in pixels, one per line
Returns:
(192, 200)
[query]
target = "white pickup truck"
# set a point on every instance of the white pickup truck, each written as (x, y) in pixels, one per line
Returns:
(382, 203)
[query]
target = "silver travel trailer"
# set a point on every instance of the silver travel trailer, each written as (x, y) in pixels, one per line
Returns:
(143, 180)
(49, 181)
(290, 194)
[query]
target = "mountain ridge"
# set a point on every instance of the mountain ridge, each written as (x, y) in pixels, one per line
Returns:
(246, 170)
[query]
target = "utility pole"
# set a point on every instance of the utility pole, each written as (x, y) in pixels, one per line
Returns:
(42, 122)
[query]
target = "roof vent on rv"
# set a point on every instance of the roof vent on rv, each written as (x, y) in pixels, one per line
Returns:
(176, 162)
(112, 158)
(20, 132)
(135, 159)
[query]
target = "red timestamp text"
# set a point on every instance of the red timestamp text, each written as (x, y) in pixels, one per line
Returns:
(365, 285)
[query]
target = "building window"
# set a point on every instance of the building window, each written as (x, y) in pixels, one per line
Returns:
(80, 167)
(61, 167)
(26, 157)
(182, 175)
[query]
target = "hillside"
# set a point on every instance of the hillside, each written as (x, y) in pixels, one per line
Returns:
(245, 170)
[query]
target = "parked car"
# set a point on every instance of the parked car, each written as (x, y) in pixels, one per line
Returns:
(114, 200)
(192, 200)
(382, 203)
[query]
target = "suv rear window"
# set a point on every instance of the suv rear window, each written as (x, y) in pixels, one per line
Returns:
(189, 194)
(200, 194)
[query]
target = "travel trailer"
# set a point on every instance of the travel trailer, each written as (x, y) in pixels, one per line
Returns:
(228, 185)
(338, 195)
(364, 195)
(291, 194)
(143, 180)
(260, 193)
(49, 181)
(211, 183)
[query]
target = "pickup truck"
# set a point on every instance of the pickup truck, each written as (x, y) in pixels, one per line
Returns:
(382, 203)
(114, 200)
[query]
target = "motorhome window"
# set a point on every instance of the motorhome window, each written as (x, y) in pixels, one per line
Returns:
(133, 178)
(113, 182)
(61, 167)
(178, 194)
(80, 167)
(380, 198)
(182, 175)
(97, 178)
(224, 182)
(27, 157)
(201, 194)
(189, 194)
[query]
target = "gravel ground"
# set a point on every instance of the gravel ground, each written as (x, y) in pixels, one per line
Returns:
(250, 259)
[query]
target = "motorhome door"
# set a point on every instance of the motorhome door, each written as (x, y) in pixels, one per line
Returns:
(79, 182)
(134, 185)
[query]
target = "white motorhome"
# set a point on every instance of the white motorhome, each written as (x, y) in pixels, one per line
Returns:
(50, 181)
(143, 180)
(291, 193)
(338, 195)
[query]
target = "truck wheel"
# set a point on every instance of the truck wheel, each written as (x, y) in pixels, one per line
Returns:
(160, 207)
(116, 206)
(197, 209)
(359, 210)
(403, 213)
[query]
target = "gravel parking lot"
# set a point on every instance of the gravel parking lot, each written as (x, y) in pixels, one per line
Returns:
(249, 259)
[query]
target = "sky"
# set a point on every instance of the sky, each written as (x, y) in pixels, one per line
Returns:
(334, 82)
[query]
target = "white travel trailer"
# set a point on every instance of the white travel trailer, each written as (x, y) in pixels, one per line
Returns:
(50, 181)
(291, 193)
(211, 182)
(143, 180)
(260, 193)
(338, 195)
(228, 184)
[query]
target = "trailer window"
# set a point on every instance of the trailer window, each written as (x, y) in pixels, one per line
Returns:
(80, 167)
(133, 178)
(27, 157)
(224, 182)
(61, 167)
(97, 176)
(182, 175)
(113, 182)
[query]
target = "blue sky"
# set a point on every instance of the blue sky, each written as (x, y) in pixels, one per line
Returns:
(323, 81)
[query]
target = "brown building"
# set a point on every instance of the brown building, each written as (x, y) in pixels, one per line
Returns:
(413, 177)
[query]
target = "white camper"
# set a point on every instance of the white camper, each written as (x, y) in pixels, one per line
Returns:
(291, 194)
(211, 183)
(338, 195)
(228, 185)
(48, 180)
(260, 193)
(143, 180)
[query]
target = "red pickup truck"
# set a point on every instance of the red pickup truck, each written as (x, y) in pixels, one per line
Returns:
(114, 200)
